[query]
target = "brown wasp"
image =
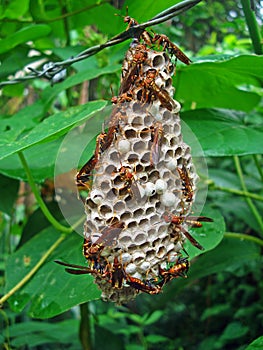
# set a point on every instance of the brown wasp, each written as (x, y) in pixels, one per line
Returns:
(146, 287)
(160, 39)
(152, 90)
(125, 97)
(117, 274)
(188, 191)
(193, 221)
(77, 269)
(179, 269)
(103, 142)
(134, 68)
(127, 177)
(157, 134)
(166, 43)
(84, 174)
(83, 177)
(92, 252)
(131, 23)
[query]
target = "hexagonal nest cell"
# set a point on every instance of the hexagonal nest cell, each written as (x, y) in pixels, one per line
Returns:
(143, 184)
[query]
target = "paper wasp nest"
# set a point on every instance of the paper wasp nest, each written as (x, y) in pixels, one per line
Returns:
(139, 177)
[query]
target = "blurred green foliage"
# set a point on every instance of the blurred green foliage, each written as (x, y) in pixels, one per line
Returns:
(219, 306)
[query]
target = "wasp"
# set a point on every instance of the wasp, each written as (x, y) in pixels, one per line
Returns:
(193, 221)
(152, 90)
(125, 97)
(116, 117)
(166, 43)
(146, 287)
(134, 68)
(77, 269)
(127, 177)
(92, 251)
(142, 33)
(83, 176)
(160, 39)
(117, 274)
(157, 134)
(179, 269)
(188, 191)
(103, 142)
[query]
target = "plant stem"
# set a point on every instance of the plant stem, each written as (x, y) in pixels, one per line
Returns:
(244, 237)
(252, 27)
(54, 223)
(40, 201)
(85, 333)
(260, 170)
(248, 200)
(142, 338)
(33, 270)
(238, 192)
(38, 264)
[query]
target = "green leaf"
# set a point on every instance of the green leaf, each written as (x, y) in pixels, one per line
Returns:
(219, 84)
(144, 10)
(222, 133)
(38, 333)
(256, 344)
(154, 317)
(25, 34)
(156, 338)
(51, 290)
(52, 127)
(105, 339)
(37, 222)
(14, 126)
(134, 347)
(106, 24)
(9, 189)
(92, 71)
(234, 330)
(127, 330)
(40, 169)
(15, 60)
(230, 253)
(136, 318)
(214, 311)
(66, 154)
(209, 235)
(15, 9)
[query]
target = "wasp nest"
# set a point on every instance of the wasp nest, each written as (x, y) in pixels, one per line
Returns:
(141, 182)
(143, 178)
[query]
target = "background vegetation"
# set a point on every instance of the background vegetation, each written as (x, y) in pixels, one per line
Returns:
(220, 305)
